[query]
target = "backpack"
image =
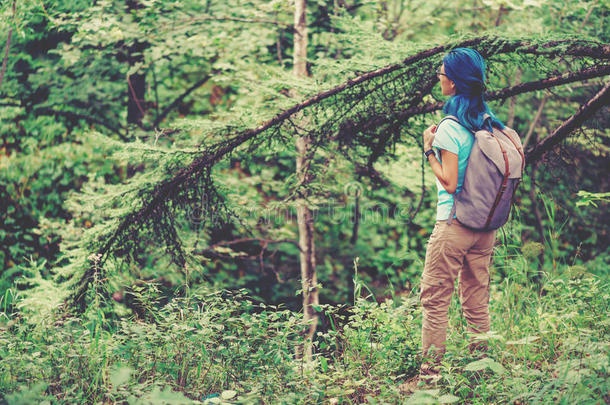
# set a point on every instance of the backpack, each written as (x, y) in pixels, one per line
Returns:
(494, 170)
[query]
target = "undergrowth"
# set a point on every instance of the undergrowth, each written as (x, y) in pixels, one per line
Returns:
(548, 344)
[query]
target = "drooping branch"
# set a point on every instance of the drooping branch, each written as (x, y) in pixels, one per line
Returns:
(183, 177)
(599, 51)
(601, 99)
(364, 99)
(527, 87)
(358, 80)
(577, 76)
(186, 175)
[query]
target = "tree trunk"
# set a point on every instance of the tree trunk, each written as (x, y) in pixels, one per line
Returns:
(136, 83)
(136, 106)
(309, 279)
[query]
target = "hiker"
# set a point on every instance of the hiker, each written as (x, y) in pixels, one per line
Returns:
(454, 250)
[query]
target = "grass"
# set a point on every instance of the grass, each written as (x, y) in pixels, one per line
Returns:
(549, 344)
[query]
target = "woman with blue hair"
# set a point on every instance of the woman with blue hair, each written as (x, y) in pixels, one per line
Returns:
(455, 251)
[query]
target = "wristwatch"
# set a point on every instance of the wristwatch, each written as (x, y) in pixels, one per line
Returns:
(428, 153)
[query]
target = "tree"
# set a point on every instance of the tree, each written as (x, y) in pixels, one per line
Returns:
(349, 117)
(305, 220)
(74, 67)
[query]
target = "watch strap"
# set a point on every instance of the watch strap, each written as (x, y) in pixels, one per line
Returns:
(428, 153)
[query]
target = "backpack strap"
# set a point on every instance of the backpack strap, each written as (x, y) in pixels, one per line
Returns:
(504, 182)
(453, 118)
(519, 149)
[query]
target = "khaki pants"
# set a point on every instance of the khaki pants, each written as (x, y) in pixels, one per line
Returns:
(454, 250)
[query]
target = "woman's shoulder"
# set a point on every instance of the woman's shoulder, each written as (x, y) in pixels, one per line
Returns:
(452, 136)
(451, 126)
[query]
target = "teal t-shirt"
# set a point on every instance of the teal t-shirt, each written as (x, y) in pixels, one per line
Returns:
(454, 138)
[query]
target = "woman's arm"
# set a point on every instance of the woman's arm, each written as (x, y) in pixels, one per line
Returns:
(447, 172)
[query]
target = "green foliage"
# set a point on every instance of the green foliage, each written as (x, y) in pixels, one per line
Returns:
(221, 346)
(68, 71)
(152, 331)
(34, 189)
(206, 343)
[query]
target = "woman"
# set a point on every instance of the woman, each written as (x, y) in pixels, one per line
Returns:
(455, 251)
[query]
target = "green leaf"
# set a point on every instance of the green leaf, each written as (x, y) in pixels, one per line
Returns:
(228, 394)
(524, 341)
(324, 364)
(424, 397)
(477, 365)
(448, 399)
(482, 364)
(120, 376)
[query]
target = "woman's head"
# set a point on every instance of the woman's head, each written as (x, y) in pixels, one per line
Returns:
(465, 67)
(464, 71)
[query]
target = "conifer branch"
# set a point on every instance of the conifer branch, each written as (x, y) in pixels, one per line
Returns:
(377, 97)
(571, 77)
(601, 99)
(595, 50)
(403, 116)
(527, 87)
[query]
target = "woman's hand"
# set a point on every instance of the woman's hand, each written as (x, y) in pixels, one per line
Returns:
(429, 137)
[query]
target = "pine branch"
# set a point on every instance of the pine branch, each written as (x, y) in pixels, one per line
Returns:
(577, 76)
(368, 92)
(186, 174)
(599, 51)
(601, 99)
(527, 87)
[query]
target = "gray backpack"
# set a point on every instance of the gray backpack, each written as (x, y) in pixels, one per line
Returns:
(494, 171)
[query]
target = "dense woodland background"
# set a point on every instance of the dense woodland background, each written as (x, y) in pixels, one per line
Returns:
(151, 179)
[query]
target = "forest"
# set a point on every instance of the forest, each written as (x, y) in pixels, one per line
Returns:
(226, 202)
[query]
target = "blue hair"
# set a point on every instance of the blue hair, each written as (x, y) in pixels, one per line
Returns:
(466, 68)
